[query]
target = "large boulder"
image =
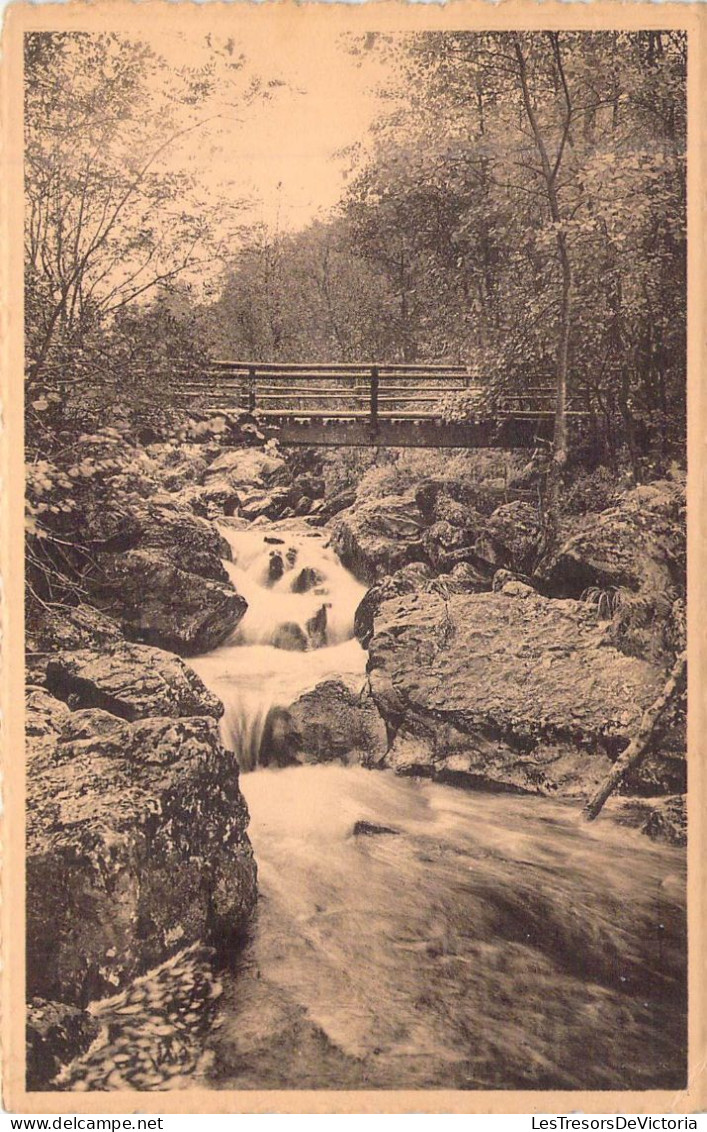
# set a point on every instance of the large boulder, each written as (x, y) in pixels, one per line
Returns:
(158, 570)
(254, 503)
(248, 468)
(157, 602)
(252, 483)
(511, 537)
(330, 722)
(191, 543)
(212, 500)
(110, 524)
(637, 545)
(131, 682)
(136, 848)
(446, 544)
(503, 690)
(378, 537)
(465, 578)
(49, 630)
(334, 505)
(408, 580)
(310, 485)
(417, 577)
(630, 562)
(441, 497)
(661, 819)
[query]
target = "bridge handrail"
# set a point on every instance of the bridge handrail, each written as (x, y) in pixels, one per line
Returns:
(363, 367)
(361, 390)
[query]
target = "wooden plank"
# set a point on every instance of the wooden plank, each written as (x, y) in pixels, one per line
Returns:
(305, 374)
(412, 379)
(227, 404)
(422, 367)
(355, 414)
(358, 366)
(414, 398)
(308, 391)
(288, 394)
(402, 382)
(429, 388)
(275, 389)
(344, 390)
(330, 393)
(411, 434)
(389, 414)
(307, 386)
(346, 384)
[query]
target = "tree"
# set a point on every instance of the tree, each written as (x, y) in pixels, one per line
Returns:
(307, 297)
(640, 744)
(537, 181)
(110, 214)
(551, 169)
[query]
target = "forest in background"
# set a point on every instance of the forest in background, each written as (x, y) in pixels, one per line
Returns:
(498, 636)
(519, 206)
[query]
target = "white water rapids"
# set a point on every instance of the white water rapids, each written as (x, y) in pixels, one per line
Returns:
(296, 632)
(463, 940)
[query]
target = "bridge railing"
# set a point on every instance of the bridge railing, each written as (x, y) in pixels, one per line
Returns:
(356, 391)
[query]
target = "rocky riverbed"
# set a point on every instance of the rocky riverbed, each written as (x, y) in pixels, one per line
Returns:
(473, 666)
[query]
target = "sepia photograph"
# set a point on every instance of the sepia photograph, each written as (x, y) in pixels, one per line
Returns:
(355, 564)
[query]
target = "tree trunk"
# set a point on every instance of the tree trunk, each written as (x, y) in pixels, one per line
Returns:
(549, 172)
(559, 442)
(629, 423)
(638, 746)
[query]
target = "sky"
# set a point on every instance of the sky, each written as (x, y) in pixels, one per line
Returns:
(284, 152)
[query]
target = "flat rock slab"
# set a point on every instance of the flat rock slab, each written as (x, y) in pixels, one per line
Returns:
(504, 691)
(530, 665)
(130, 681)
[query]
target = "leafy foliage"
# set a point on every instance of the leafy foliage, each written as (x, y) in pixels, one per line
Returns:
(456, 188)
(304, 297)
(116, 227)
(607, 601)
(446, 247)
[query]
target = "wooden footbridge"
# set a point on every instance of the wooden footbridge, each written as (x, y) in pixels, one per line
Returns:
(393, 405)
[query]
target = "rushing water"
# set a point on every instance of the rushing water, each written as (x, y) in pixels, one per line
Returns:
(414, 935)
(297, 630)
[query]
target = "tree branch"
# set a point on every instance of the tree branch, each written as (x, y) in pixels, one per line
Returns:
(639, 744)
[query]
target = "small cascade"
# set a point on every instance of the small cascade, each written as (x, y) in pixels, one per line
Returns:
(411, 935)
(296, 632)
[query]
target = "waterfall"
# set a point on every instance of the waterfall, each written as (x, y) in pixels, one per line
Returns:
(410, 934)
(296, 632)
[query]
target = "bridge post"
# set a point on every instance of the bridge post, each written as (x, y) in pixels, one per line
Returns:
(251, 389)
(374, 399)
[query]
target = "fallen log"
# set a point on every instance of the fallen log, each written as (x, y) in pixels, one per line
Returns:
(638, 746)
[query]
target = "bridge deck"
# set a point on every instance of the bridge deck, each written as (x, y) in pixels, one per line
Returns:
(356, 404)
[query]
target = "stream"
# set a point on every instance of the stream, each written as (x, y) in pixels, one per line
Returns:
(415, 935)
